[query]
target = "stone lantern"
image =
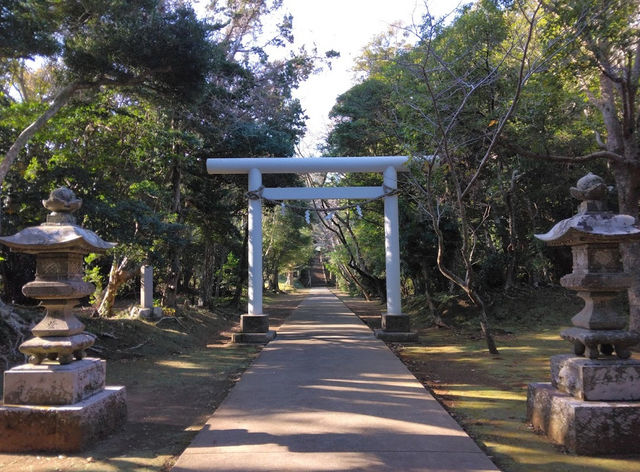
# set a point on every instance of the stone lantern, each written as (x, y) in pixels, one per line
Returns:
(59, 246)
(37, 395)
(594, 235)
(592, 405)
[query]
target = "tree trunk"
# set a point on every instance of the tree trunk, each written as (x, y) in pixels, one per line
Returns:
(511, 253)
(622, 140)
(466, 285)
(628, 183)
(274, 284)
(170, 293)
(486, 330)
(118, 275)
(207, 279)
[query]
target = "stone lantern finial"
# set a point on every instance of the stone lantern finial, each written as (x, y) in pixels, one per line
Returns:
(61, 203)
(592, 192)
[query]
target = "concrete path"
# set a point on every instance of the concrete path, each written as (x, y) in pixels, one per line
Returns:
(328, 396)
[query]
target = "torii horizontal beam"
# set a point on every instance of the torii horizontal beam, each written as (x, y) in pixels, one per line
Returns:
(305, 165)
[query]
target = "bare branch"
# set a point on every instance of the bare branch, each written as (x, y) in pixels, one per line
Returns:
(516, 96)
(573, 159)
(601, 143)
(61, 99)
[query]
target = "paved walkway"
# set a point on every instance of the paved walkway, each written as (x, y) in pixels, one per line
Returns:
(328, 396)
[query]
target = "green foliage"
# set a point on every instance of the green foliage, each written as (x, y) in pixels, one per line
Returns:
(361, 118)
(27, 28)
(441, 100)
(161, 91)
(227, 272)
(286, 241)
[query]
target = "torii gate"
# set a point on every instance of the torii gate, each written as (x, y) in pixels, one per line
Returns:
(255, 324)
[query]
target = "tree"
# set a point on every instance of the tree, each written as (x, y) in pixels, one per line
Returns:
(287, 244)
(449, 99)
(154, 45)
(603, 54)
(361, 121)
(153, 92)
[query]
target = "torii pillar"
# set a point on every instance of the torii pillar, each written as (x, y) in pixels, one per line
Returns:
(255, 324)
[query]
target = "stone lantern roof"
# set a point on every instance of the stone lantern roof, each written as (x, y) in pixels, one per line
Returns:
(60, 232)
(593, 223)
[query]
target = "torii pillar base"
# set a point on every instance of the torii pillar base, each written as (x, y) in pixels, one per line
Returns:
(254, 329)
(396, 328)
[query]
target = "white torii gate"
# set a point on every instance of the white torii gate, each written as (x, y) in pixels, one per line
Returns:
(255, 324)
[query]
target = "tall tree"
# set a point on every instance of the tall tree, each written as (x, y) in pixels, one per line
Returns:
(155, 45)
(449, 99)
(602, 58)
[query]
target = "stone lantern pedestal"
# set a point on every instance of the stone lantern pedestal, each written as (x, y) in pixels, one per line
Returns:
(58, 401)
(592, 405)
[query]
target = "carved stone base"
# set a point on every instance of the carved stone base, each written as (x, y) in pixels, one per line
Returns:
(151, 314)
(396, 336)
(68, 428)
(62, 348)
(53, 384)
(396, 323)
(396, 328)
(254, 323)
(583, 427)
(597, 343)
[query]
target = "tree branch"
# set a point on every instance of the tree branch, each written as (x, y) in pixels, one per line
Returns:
(522, 78)
(612, 156)
(61, 99)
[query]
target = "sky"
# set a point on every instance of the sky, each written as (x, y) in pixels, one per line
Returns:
(346, 26)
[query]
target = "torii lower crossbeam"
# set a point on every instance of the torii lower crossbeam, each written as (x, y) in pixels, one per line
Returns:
(255, 324)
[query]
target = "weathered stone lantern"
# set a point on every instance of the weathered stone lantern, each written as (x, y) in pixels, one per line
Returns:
(594, 236)
(37, 396)
(59, 246)
(592, 404)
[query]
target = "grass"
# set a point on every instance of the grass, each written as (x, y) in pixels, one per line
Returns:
(177, 373)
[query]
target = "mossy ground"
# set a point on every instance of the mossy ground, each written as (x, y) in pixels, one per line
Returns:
(177, 373)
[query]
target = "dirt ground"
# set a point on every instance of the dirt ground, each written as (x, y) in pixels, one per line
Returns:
(169, 397)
